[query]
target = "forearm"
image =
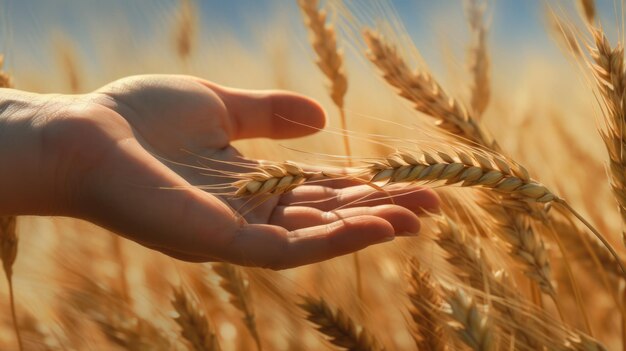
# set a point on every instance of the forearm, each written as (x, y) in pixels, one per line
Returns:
(27, 179)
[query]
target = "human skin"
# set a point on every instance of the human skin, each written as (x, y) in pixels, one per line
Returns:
(116, 157)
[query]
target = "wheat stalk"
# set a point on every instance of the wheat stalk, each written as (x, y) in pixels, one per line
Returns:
(8, 235)
(194, 323)
(426, 302)
(8, 254)
(330, 62)
(238, 289)
(471, 323)
(565, 34)
(478, 58)
(424, 92)
(338, 326)
(68, 60)
(581, 247)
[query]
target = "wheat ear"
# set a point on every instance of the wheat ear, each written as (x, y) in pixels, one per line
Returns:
(524, 245)
(195, 325)
(588, 10)
(429, 98)
(185, 29)
(272, 179)
(426, 303)
(238, 289)
(470, 264)
(8, 254)
(131, 333)
(5, 79)
(338, 326)
(424, 92)
(324, 42)
(113, 315)
(471, 322)
(479, 62)
(68, 60)
(329, 60)
(608, 70)
(468, 170)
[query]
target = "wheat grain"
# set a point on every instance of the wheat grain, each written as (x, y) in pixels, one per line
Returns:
(338, 326)
(238, 289)
(195, 325)
(471, 323)
(425, 305)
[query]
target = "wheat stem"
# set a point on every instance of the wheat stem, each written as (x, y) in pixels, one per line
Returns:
(8, 254)
(577, 294)
(595, 233)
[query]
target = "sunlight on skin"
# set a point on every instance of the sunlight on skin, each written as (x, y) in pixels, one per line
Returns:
(104, 145)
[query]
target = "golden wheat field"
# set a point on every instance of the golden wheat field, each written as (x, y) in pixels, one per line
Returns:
(523, 140)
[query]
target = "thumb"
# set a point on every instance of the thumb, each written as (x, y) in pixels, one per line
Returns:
(270, 113)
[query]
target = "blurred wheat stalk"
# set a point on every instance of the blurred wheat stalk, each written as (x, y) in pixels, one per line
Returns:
(502, 267)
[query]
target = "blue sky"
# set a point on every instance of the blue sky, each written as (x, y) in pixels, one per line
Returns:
(26, 26)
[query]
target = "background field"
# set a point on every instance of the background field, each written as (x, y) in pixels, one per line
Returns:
(78, 287)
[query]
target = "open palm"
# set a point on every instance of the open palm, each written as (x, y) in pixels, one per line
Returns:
(135, 135)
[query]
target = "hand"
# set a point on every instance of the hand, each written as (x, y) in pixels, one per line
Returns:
(116, 158)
